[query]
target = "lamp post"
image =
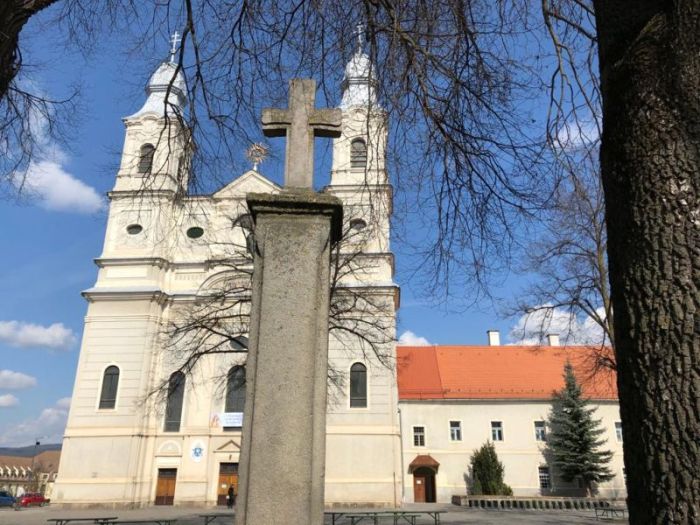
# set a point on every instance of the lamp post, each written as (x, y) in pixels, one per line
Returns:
(35, 486)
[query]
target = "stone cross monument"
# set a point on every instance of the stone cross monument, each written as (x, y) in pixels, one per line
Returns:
(301, 123)
(284, 428)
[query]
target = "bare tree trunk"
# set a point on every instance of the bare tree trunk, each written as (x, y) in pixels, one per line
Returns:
(650, 160)
(14, 14)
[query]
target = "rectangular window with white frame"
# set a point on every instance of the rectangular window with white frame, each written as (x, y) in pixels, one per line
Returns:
(455, 431)
(418, 436)
(540, 431)
(496, 431)
(618, 431)
(545, 478)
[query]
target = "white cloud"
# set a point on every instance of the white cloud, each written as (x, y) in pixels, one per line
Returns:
(46, 178)
(408, 338)
(15, 380)
(531, 329)
(64, 402)
(8, 400)
(58, 190)
(55, 336)
(575, 135)
(48, 427)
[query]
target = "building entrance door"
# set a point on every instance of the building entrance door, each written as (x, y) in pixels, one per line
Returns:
(424, 485)
(165, 488)
(228, 475)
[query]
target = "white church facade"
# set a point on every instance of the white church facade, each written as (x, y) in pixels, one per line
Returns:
(152, 422)
(167, 258)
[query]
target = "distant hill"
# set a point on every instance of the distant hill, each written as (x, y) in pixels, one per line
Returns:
(27, 452)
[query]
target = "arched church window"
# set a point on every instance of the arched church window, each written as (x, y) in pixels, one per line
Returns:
(358, 154)
(235, 391)
(239, 343)
(245, 222)
(146, 159)
(110, 384)
(358, 386)
(173, 407)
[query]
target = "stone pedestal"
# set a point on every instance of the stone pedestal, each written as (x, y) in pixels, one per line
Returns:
(284, 429)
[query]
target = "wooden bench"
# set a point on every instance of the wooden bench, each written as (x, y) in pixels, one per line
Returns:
(435, 514)
(609, 513)
(208, 518)
(399, 516)
(357, 517)
(408, 517)
(97, 521)
(156, 521)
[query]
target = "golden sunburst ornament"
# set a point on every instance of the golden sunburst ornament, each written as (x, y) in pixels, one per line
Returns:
(257, 153)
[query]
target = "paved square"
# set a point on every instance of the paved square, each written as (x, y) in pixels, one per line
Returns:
(190, 516)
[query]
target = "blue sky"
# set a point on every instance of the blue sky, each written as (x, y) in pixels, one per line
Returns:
(50, 243)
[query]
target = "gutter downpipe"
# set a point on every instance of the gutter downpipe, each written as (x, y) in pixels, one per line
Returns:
(403, 488)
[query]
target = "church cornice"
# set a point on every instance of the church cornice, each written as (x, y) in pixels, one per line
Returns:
(140, 193)
(103, 262)
(372, 289)
(387, 256)
(162, 263)
(135, 293)
(353, 187)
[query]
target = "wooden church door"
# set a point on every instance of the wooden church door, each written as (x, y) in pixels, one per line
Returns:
(228, 475)
(165, 488)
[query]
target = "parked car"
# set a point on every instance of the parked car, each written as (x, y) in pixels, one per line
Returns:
(32, 498)
(6, 499)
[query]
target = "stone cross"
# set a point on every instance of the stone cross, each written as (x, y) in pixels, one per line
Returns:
(283, 449)
(300, 124)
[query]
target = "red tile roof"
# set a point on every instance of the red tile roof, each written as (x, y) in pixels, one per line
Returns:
(496, 372)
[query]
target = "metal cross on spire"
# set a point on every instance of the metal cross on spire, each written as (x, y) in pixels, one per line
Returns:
(174, 40)
(360, 30)
(300, 124)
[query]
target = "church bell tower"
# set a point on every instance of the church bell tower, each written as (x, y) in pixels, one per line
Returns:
(157, 147)
(367, 429)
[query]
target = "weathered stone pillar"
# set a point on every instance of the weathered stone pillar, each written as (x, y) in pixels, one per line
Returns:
(284, 429)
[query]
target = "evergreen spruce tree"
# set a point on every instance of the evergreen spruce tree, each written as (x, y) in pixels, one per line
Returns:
(487, 472)
(574, 439)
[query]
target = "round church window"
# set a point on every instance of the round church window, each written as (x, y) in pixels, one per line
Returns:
(195, 232)
(134, 229)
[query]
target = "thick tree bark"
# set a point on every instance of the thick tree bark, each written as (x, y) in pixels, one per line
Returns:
(650, 161)
(14, 14)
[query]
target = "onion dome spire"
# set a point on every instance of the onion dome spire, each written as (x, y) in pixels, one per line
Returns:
(359, 84)
(166, 89)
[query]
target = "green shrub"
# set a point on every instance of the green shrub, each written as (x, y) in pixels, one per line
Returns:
(487, 472)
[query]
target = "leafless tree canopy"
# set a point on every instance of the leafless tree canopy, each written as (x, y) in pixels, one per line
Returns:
(566, 262)
(462, 81)
(217, 321)
(465, 136)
